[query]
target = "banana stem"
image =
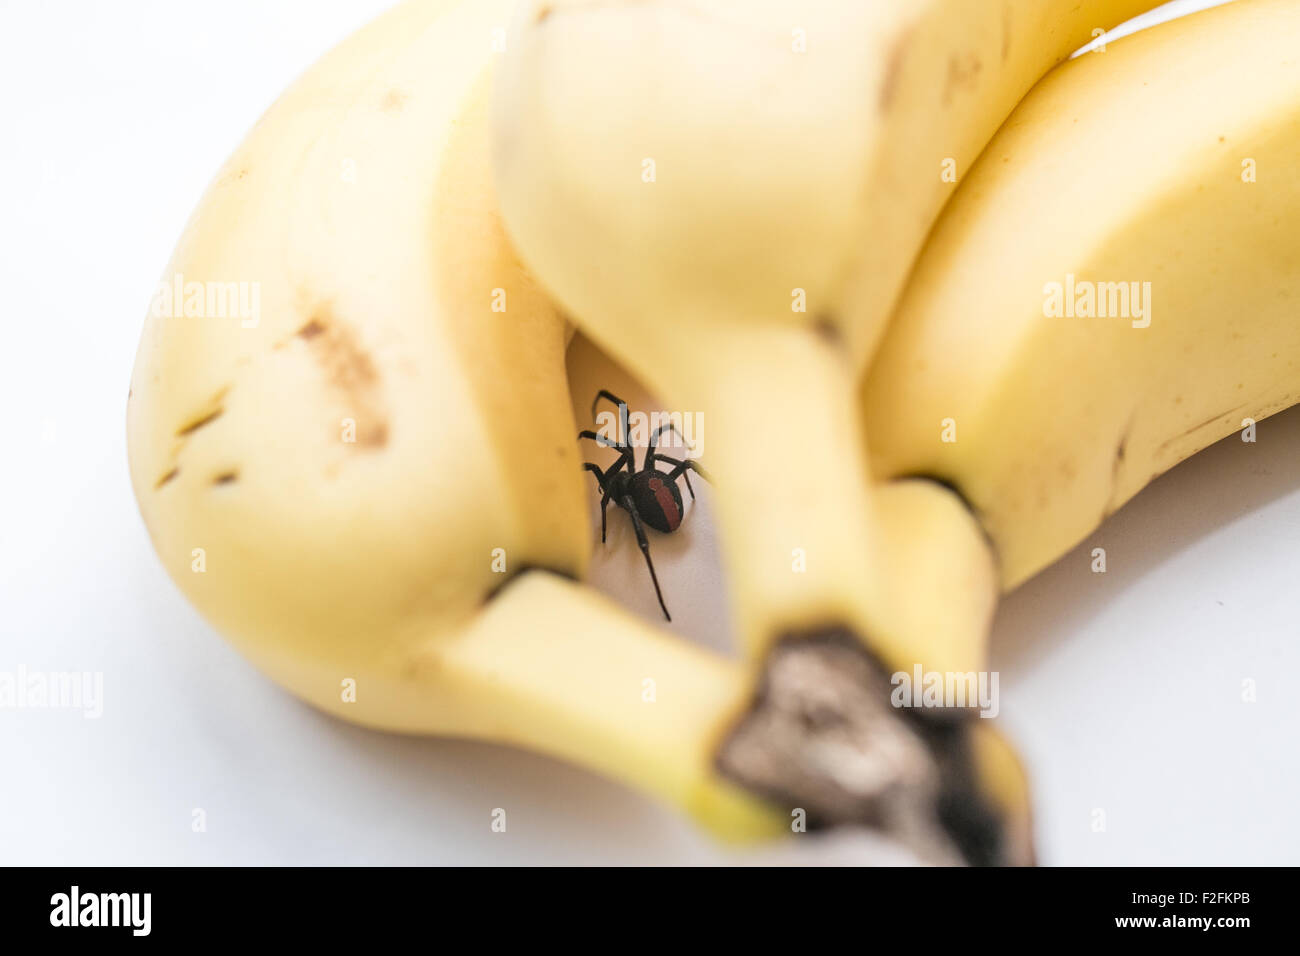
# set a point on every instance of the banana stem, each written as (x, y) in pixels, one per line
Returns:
(570, 674)
(804, 534)
(803, 529)
(782, 435)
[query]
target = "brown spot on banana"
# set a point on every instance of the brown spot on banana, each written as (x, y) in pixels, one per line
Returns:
(312, 329)
(214, 409)
(894, 68)
(349, 369)
(209, 415)
(206, 419)
(963, 74)
(1121, 451)
(829, 330)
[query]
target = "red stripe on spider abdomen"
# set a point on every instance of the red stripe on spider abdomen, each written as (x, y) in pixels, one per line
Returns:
(667, 503)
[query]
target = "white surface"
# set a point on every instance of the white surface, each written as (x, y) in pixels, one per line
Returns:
(1123, 689)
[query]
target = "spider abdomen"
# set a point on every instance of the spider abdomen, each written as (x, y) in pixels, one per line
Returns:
(658, 500)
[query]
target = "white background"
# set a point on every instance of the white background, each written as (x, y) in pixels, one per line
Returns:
(1123, 690)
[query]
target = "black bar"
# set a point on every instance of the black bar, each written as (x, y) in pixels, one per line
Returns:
(966, 907)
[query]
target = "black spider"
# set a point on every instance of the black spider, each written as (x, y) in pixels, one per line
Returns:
(649, 496)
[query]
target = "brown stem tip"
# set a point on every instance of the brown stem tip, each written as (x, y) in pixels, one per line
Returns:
(824, 736)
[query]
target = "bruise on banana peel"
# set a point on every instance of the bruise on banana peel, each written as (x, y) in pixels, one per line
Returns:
(351, 372)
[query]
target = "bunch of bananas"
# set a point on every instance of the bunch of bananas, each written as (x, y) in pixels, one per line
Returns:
(1027, 290)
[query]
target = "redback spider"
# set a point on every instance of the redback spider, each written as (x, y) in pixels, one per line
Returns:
(649, 496)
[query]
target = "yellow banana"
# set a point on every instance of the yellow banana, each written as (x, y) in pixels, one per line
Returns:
(727, 197)
(348, 459)
(338, 472)
(1112, 289)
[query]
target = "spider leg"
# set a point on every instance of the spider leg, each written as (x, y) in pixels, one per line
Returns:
(630, 507)
(599, 439)
(670, 427)
(601, 478)
(609, 396)
(680, 468)
(654, 440)
(622, 412)
(625, 457)
(653, 455)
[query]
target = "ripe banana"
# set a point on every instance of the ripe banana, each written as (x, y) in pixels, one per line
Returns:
(1113, 287)
(727, 197)
(336, 480)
